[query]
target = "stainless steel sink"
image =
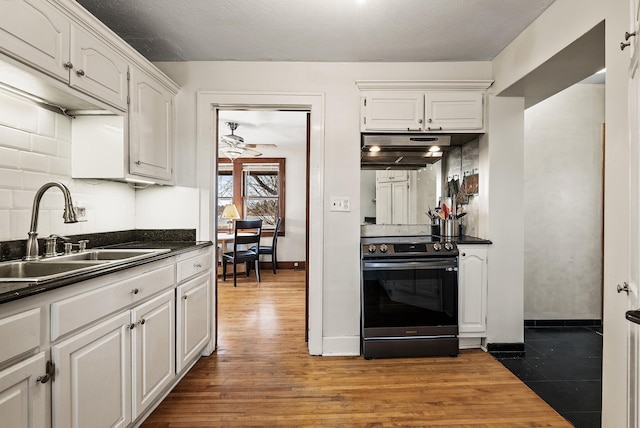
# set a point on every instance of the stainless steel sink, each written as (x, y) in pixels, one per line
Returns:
(104, 255)
(37, 271)
(59, 266)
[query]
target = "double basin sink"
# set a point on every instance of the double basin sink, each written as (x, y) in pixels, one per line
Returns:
(69, 264)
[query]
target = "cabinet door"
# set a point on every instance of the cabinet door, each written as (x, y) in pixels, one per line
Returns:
(194, 318)
(34, 32)
(150, 128)
(454, 110)
(153, 340)
(384, 202)
(392, 111)
(92, 387)
(472, 288)
(98, 70)
(23, 399)
(400, 202)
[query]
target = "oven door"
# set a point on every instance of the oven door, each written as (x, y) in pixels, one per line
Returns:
(410, 298)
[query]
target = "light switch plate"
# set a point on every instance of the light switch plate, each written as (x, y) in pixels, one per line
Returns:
(340, 203)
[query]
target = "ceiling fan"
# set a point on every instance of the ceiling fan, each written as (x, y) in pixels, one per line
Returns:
(233, 146)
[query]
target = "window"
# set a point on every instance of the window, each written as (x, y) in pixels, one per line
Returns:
(256, 187)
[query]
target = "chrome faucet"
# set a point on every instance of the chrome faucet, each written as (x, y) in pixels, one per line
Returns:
(69, 216)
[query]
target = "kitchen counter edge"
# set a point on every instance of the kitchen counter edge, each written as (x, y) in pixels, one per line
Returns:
(10, 291)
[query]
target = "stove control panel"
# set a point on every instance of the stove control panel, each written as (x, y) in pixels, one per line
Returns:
(408, 249)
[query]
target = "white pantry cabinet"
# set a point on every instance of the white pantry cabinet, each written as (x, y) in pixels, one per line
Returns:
(24, 394)
(193, 318)
(41, 36)
(472, 289)
(392, 202)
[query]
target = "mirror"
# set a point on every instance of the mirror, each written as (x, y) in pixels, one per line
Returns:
(404, 196)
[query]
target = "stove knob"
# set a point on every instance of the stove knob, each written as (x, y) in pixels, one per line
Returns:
(437, 246)
(383, 248)
(372, 248)
(448, 246)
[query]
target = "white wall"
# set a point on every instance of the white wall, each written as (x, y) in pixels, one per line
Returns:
(35, 148)
(341, 318)
(563, 205)
(562, 23)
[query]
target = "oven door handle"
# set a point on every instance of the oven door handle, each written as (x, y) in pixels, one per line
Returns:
(450, 266)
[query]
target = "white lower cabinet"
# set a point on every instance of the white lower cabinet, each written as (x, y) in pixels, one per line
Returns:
(131, 355)
(92, 384)
(193, 318)
(23, 396)
(472, 288)
(153, 346)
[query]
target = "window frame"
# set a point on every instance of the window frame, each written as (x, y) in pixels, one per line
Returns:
(238, 186)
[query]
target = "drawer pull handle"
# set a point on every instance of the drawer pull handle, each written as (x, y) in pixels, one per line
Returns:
(135, 291)
(80, 73)
(197, 265)
(49, 375)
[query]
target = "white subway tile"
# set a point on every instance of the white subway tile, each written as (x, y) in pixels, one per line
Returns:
(20, 221)
(9, 158)
(34, 180)
(63, 128)
(6, 199)
(5, 226)
(10, 179)
(23, 199)
(60, 166)
(44, 145)
(10, 137)
(33, 162)
(46, 123)
(64, 149)
(18, 114)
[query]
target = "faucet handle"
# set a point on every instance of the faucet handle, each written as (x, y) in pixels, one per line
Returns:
(82, 245)
(51, 243)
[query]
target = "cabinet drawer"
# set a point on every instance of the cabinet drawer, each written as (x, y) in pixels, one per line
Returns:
(74, 312)
(20, 333)
(193, 266)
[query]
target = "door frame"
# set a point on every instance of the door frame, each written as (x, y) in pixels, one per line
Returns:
(207, 102)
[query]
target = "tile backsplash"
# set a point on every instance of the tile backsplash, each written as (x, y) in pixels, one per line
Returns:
(35, 148)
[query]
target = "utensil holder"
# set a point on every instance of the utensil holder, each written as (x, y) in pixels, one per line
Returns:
(449, 227)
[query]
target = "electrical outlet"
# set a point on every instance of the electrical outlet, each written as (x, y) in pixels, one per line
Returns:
(340, 203)
(81, 211)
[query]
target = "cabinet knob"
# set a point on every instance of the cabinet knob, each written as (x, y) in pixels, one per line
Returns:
(43, 379)
(185, 297)
(138, 163)
(131, 326)
(624, 45)
(68, 65)
(142, 321)
(419, 120)
(197, 265)
(429, 120)
(80, 73)
(624, 287)
(135, 291)
(464, 254)
(628, 35)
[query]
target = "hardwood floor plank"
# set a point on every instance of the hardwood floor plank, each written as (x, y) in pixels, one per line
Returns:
(262, 376)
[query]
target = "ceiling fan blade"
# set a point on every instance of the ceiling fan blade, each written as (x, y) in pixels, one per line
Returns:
(258, 145)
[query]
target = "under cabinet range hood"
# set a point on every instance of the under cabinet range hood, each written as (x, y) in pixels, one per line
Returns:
(407, 151)
(402, 151)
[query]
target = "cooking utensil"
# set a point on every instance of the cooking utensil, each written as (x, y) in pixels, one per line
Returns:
(461, 215)
(445, 210)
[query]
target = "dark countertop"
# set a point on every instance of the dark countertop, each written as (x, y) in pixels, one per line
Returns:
(19, 289)
(466, 239)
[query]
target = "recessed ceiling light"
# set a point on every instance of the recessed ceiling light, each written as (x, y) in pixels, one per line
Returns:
(374, 149)
(434, 149)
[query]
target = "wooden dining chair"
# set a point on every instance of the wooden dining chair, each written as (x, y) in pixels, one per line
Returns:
(272, 249)
(245, 236)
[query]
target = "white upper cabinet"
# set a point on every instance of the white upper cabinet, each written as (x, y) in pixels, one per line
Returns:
(97, 69)
(35, 32)
(392, 111)
(151, 117)
(454, 110)
(422, 106)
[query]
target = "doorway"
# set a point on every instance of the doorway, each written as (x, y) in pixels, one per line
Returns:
(207, 105)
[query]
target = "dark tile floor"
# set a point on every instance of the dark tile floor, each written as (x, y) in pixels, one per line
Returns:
(563, 365)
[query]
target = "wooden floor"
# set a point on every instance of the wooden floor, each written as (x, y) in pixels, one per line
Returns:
(262, 376)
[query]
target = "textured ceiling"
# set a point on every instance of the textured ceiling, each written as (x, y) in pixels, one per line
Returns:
(317, 30)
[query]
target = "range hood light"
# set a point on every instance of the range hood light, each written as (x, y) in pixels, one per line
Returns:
(434, 149)
(374, 148)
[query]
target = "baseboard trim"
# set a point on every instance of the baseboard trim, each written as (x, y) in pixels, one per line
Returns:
(284, 265)
(506, 350)
(564, 323)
